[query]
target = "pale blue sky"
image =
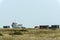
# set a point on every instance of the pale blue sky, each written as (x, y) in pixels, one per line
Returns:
(29, 12)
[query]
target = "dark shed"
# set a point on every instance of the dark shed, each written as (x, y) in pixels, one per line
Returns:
(54, 26)
(6, 26)
(44, 26)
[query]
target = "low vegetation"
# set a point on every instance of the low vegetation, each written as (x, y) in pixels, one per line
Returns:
(1, 34)
(29, 34)
(16, 33)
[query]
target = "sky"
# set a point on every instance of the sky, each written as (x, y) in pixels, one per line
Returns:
(29, 12)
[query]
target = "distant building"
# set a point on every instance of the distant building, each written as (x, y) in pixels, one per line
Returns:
(44, 26)
(47, 27)
(6, 26)
(15, 25)
(37, 27)
(54, 27)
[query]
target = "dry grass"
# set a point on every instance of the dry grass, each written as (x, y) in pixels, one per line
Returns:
(30, 34)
